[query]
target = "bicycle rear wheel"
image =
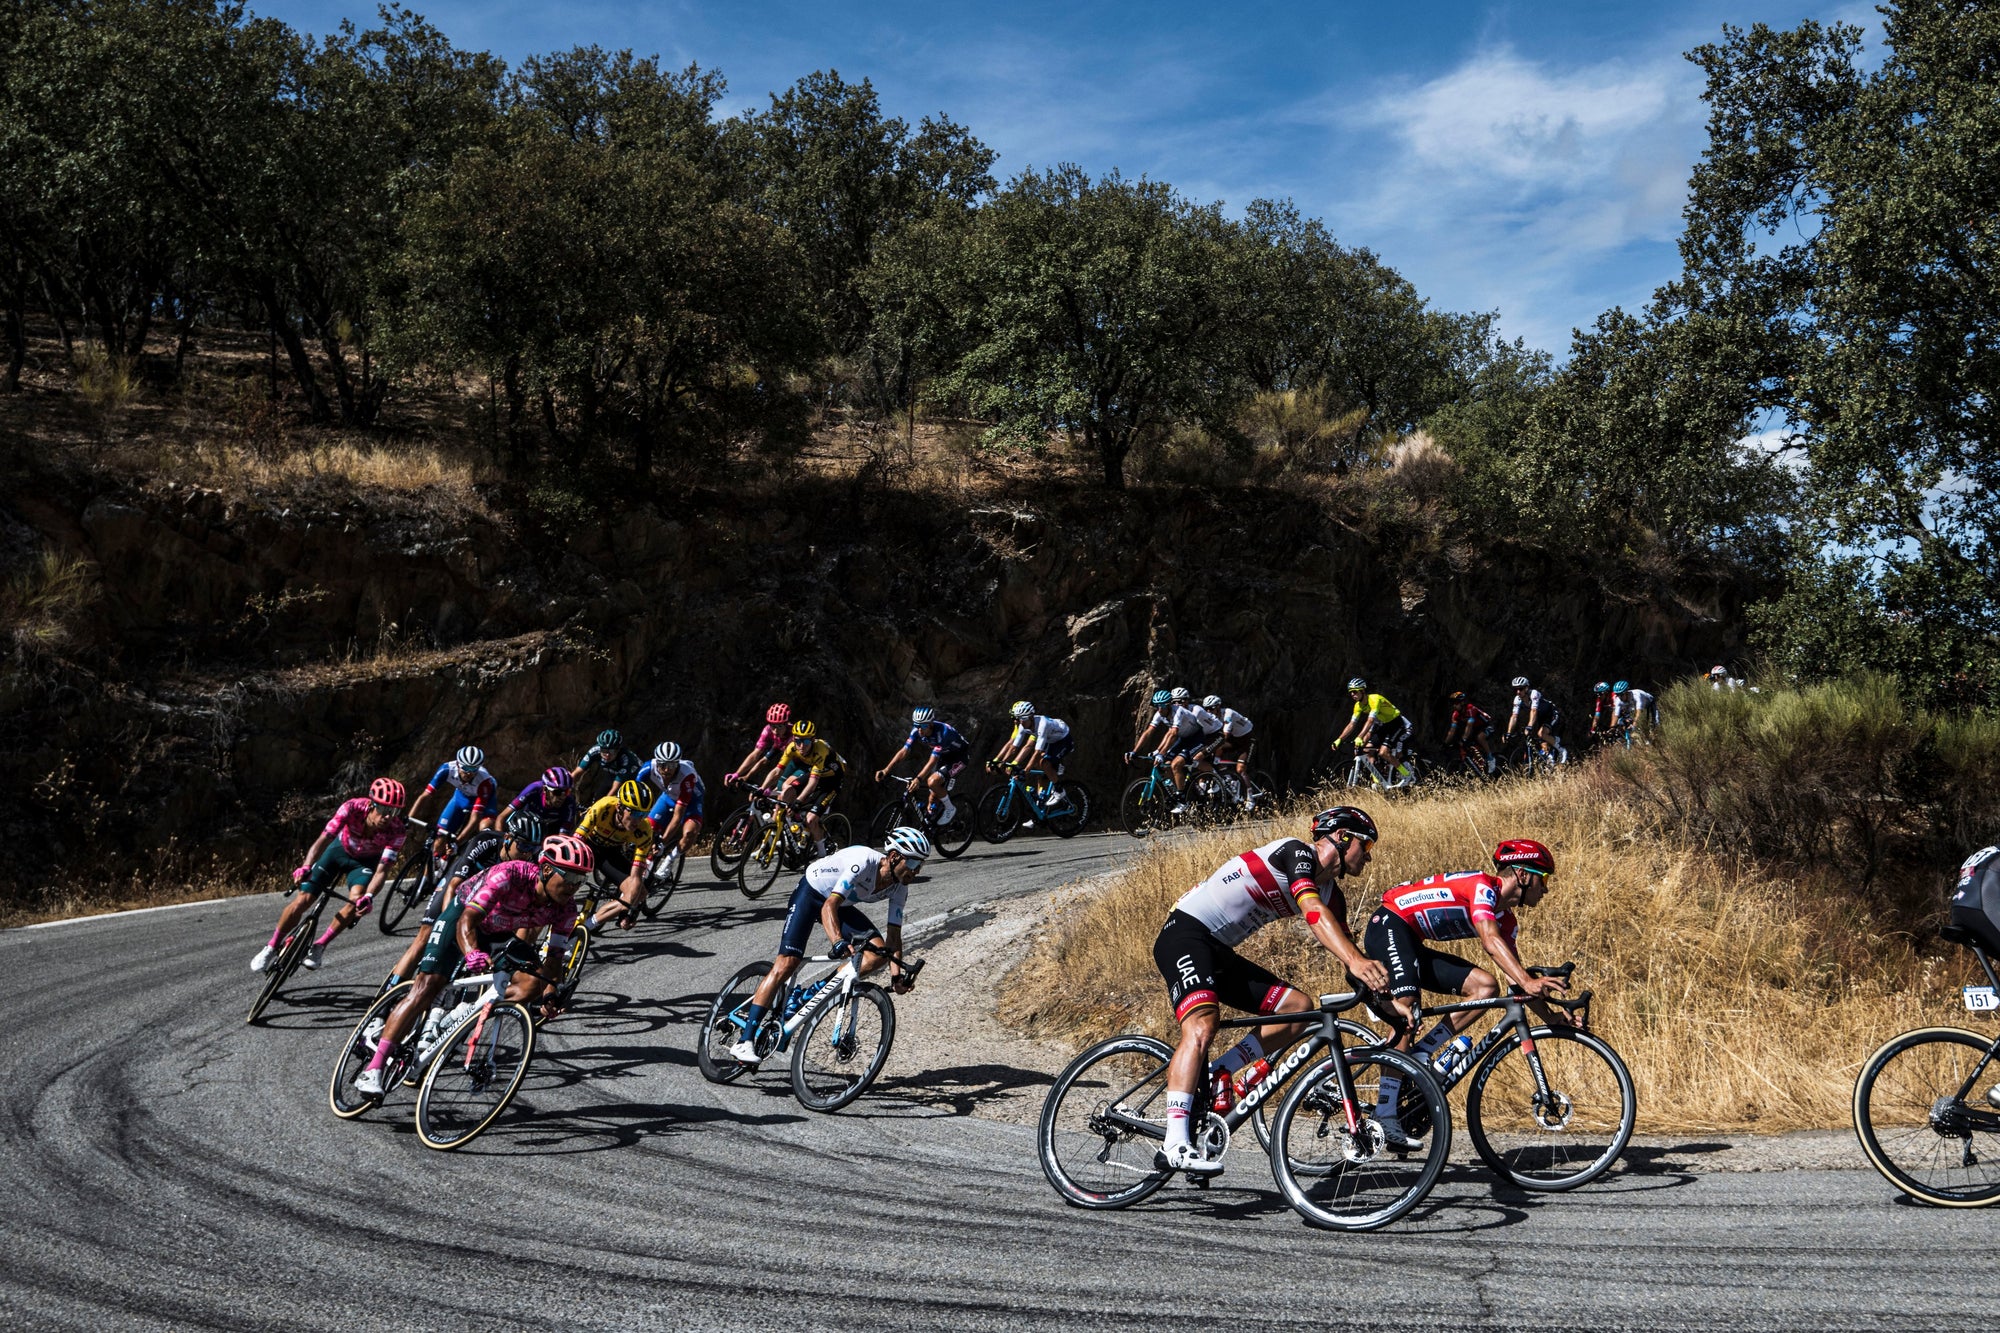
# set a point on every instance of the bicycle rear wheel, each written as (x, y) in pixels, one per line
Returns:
(579, 950)
(732, 843)
(291, 952)
(401, 897)
(1569, 1138)
(474, 1075)
(952, 839)
(357, 1051)
(839, 831)
(840, 1051)
(660, 886)
(719, 1031)
(996, 815)
(1347, 1178)
(889, 816)
(1089, 1140)
(765, 861)
(1921, 1135)
(1071, 813)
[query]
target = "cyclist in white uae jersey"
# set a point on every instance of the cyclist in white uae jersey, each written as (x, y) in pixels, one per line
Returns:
(1202, 972)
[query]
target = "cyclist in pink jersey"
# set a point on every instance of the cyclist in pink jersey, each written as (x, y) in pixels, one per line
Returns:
(357, 847)
(1456, 905)
(771, 743)
(1203, 971)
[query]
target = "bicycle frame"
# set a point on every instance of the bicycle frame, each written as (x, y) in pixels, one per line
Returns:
(1514, 1018)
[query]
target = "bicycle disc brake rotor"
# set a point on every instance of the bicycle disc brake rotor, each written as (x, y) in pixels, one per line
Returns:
(1554, 1111)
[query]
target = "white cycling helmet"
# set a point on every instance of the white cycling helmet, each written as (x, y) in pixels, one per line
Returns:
(919, 716)
(1520, 682)
(1181, 695)
(667, 754)
(470, 757)
(1021, 710)
(1212, 702)
(1357, 684)
(911, 843)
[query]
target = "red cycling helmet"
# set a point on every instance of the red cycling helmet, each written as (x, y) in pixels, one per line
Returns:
(567, 852)
(1525, 854)
(778, 714)
(555, 778)
(387, 791)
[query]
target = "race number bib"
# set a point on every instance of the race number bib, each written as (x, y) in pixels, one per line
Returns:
(1981, 999)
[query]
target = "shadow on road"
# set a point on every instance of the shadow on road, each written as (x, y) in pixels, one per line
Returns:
(960, 1089)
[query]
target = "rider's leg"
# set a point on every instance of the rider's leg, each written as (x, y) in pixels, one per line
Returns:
(1184, 1071)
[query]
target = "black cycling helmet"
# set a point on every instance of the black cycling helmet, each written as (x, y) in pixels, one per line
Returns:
(610, 739)
(1344, 819)
(524, 828)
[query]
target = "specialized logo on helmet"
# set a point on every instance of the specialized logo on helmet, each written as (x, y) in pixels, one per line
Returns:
(1525, 853)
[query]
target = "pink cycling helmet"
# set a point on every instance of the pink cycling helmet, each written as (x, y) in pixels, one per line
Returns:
(387, 791)
(567, 852)
(778, 714)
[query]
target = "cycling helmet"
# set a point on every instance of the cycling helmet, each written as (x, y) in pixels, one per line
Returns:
(633, 796)
(469, 757)
(1021, 710)
(1455, 697)
(1161, 698)
(524, 828)
(667, 755)
(1600, 688)
(610, 739)
(1213, 701)
(1524, 854)
(1621, 687)
(555, 778)
(1343, 819)
(568, 853)
(803, 729)
(387, 791)
(778, 714)
(1718, 671)
(919, 716)
(1520, 682)
(913, 845)
(1357, 684)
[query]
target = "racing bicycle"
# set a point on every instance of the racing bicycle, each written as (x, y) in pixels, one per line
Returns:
(292, 949)
(1023, 796)
(413, 883)
(837, 1026)
(910, 808)
(1105, 1118)
(779, 840)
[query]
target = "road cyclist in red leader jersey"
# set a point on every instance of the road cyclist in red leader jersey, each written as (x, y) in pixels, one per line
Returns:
(1196, 956)
(1456, 905)
(357, 846)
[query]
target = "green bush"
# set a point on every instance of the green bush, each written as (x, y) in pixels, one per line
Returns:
(1844, 775)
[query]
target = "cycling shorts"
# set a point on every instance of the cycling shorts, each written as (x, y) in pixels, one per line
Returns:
(1552, 719)
(951, 765)
(1979, 923)
(433, 907)
(442, 955)
(803, 914)
(1201, 970)
(1187, 747)
(1060, 751)
(336, 864)
(1391, 734)
(454, 810)
(1230, 747)
(1413, 965)
(663, 809)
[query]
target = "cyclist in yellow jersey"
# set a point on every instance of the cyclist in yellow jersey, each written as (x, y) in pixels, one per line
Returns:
(619, 834)
(1381, 726)
(810, 761)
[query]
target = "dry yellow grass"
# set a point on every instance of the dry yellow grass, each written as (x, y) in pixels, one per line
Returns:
(1741, 1001)
(405, 469)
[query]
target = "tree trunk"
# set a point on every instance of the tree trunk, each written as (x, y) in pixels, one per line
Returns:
(17, 344)
(1112, 450)
(300, 360)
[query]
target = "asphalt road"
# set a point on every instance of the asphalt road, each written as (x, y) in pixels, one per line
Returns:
(165, 1165)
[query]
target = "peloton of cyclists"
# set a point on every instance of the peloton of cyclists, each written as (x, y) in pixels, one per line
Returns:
(1185, 730)
(357, 847)
(949, 751)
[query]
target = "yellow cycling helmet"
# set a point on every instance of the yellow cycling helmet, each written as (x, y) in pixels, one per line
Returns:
(632, 796)
(803, 729)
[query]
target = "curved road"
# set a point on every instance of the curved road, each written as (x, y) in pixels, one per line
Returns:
(165, 1165)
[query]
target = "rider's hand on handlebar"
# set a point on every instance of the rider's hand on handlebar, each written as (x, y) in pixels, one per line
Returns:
(1537, 987)
(840, 949)
(478, 960)
(1372, 975)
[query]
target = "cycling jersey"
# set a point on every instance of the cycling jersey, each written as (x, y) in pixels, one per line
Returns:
(771, 738)
(625, 766)
(556, 816)
(506, 893)
(1045, 730)
(1188, 720)
(1234, 724)
(1252, 890)
(1603, 712)
(855, 874)
(479, 852)
(599, 826)
(1537, 703)
(683, 787)
(477, 787)
(1446, 906)
(1641, 705)
(944, 740)
(1376, 707)
(817, 758)
(350, 825)
(1975, 899)
(1470, 716)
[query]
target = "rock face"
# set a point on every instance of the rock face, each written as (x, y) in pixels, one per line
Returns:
(247, 662)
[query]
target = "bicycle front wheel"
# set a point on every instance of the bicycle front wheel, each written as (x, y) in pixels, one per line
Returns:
(996, 816)
(760, 869)
(474, 1075)
(400, 898)
(1930, 1142)
(1142, 810)
(1353, 1034)
(291, 952)
(579, 950)
(1557, 1140)
(1336, 1167)
(732, 843)
(357, 1051)
(841, 1050)
(720, 1030)
(1104, 1121)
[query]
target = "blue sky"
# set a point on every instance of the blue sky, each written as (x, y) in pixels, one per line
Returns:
(1525, 158)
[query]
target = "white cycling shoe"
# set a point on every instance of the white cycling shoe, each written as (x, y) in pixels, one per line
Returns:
(313, 955)
(1394, 1136)
(263, 958)
(745, 1053)
(946, 812)
(369, 1083)
(1183, 1157)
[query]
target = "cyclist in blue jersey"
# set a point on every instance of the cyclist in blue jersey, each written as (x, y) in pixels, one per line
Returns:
(474, 799)
(678, 813)
(949, 751)
(611, 756)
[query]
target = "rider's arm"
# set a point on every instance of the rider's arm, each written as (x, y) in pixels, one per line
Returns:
(1503, 954)
(1330, 930)
(930, 766)
(1352, 724)
(892, 936)
(894, 760)
(318, 847)
(469, 918)
(829, 916)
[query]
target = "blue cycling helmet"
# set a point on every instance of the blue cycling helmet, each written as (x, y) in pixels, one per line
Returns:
(1161, 698)
(1599, 688)
(1621, 687)
(921, 716)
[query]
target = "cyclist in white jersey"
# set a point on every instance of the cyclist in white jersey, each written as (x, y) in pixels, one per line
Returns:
(1635, 708)
(1185, 728)
(1193, 952)
(1231, 742)
(1038, 743)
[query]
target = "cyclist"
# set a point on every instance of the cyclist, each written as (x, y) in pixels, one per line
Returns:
(1037, 744)
(1603, 708)
(677, 815)
(620, 837)
(949, 752)
(810, 760)
(1457, 905)
(500, 911)
(1471, 725)
(474, 793)
(549, 799)
(769, 745)
(1542, 723)
(515, 840)
(1230, 744)
(1196, 956)
(1634, 710)
(827, 894)
(358, 845)
(1382, 730)
(619, 761)
(1975, 899)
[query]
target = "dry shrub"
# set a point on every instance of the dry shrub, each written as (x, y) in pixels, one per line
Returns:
(172, 876)
(392, 469)
(42, 604)
(1741, 1000)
